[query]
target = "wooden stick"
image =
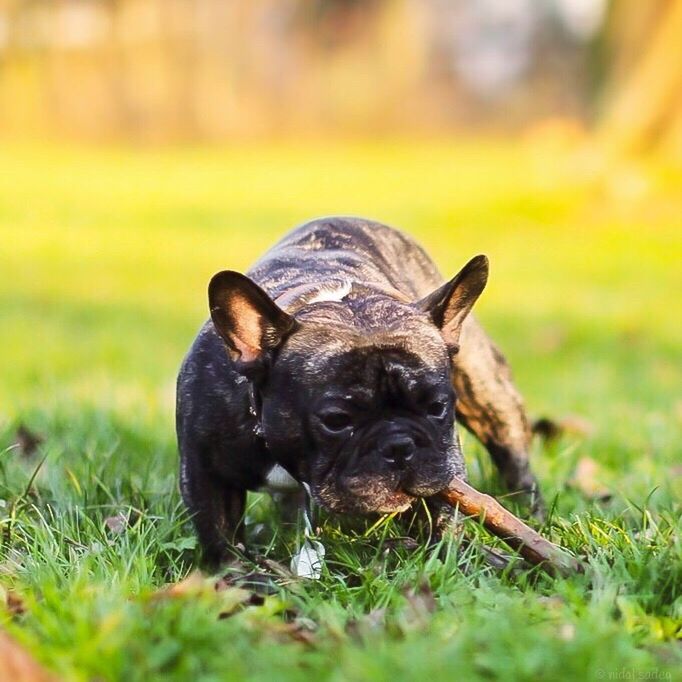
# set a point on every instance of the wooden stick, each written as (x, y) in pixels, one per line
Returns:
(502, 523)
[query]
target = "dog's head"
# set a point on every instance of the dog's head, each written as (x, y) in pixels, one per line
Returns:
(355, 395)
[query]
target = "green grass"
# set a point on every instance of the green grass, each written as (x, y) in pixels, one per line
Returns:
(105, 256)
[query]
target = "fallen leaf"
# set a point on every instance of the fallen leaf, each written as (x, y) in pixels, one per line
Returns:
(421, 602)
(26, 440)
(260, 583)
(275, 568)
(370, 622)
(234, 598)
(299, 630)
(13, 602)
(116, 524)
(554, 602)
(551, 429)
(586, 479)
(229, 599)
(192, 585)
(254, 599)
(17, 665)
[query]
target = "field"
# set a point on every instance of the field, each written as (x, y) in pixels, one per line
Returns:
(105, 256)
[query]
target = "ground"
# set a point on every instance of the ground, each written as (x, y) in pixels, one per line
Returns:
(105, 259)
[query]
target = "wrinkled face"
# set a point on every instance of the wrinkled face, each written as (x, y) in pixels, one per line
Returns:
(369, 424)
(356, 392)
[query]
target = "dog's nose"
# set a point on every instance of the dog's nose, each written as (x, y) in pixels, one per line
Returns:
(398, 450)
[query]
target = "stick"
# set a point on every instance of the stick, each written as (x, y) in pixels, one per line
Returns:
(502, 523)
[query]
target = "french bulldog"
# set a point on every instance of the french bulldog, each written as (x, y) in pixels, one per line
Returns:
(342, 360)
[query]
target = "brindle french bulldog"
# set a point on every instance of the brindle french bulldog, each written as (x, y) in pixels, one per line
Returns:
(341, 359)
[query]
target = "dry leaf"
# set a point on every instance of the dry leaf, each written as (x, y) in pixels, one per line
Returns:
(421, 602)
(551, 429)
(586, 479)
(229, 599)
(17, 665)
(554, 602)
(116, 524)
(14, 604)
(192, 585)
(300, 630)
(370, 622)
(275, 568)
(259, 583)
(27, 441)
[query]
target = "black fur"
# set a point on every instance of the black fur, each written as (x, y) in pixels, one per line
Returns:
(338, 358)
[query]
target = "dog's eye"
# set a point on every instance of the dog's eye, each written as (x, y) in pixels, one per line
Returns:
(437, 409)
(335, 420)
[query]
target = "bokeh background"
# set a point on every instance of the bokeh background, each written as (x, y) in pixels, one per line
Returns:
(206, 70)
(145, 144)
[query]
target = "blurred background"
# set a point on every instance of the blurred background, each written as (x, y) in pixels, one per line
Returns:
(146, 144)
(208, 70)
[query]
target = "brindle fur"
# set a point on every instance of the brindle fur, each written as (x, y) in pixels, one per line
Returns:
(351, 284)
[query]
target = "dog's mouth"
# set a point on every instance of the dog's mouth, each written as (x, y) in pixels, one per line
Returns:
(370, 494)
(375, 500)
(398, 501)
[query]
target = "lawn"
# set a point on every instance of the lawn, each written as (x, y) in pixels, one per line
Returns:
(105, 256)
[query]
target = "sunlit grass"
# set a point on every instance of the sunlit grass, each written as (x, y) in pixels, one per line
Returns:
(105, 255)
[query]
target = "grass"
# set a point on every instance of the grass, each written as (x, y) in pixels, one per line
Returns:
(105, 258)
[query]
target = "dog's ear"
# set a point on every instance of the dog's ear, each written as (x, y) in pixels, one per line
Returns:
(247, 319)
(449, 305)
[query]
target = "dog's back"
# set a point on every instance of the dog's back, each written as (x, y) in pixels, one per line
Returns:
(350, 252)
(346, 278)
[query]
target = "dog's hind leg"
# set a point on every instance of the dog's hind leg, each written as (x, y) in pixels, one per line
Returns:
(490, 406)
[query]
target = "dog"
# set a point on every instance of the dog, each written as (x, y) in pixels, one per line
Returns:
(342, 360)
